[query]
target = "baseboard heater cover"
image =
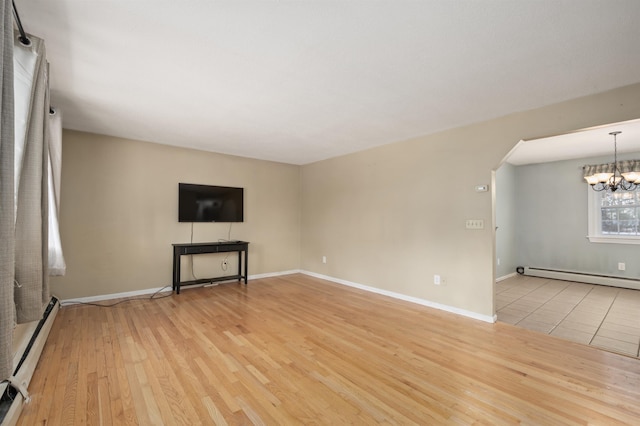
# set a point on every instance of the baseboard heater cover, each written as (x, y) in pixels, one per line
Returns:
(583, 277)
(11, 401)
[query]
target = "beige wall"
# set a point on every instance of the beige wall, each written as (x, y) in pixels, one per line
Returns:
(119, 214)
(389, 217)
(394, 216)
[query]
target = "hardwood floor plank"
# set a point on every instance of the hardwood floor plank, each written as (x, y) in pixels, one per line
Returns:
(105, 402)
(219, 393)
(122, 407)
(215, 414)
(44, 405)
(300, 350)
(179, 387)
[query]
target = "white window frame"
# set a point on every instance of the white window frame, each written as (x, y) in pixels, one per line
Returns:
(595, 223)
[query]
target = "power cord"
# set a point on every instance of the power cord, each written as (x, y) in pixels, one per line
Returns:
(193, 273)
(224, 265)
(191, 257)
(110, 305)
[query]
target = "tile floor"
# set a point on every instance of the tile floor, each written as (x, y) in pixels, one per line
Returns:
(606, 317)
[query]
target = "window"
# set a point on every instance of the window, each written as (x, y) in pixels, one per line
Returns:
(614, 217)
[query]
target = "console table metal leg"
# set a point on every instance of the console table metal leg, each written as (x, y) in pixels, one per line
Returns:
(176, 277)
(246, 268)
(173, 276)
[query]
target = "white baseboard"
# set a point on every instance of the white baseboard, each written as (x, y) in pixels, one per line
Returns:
(423, 302)
(505, 277)
(103, 297)
(274, 274)
(112, 296)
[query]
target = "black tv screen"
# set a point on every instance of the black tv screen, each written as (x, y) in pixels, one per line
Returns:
(206, 203)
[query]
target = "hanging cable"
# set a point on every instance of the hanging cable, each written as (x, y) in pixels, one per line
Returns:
(23, 37)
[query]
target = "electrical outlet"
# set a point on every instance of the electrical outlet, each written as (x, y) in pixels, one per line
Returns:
(622, 266)
(436, 279)
(474, 224)
(324, 259)
(498, 262)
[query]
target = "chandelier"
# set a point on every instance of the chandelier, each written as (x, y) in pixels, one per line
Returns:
(613, 176)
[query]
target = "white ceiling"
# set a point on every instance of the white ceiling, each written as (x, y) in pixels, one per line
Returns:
(301, 81)
(580, 144)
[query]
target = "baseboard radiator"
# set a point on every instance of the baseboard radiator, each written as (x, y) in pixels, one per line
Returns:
(581, 277)
(11, 400)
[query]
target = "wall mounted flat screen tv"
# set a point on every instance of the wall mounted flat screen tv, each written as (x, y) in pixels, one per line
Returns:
(206, 203)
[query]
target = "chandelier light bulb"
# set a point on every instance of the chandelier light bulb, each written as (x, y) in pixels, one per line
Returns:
(606, 179)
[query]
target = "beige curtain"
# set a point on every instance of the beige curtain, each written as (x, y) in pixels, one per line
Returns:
(24, 174)
(31, 292)
(7, 246)
(24, 284)
(623, 167)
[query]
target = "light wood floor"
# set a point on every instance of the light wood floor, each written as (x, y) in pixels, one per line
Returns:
(299, 350)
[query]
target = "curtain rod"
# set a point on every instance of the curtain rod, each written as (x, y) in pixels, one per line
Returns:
(23, 37)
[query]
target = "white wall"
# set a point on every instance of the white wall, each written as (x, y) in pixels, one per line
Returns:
(506, 193)
(551, 221)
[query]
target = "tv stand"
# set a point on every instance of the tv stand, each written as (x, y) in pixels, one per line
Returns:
(204, 248)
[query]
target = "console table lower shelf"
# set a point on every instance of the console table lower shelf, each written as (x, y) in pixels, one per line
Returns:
(207, 248)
